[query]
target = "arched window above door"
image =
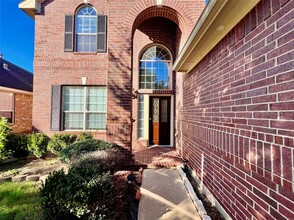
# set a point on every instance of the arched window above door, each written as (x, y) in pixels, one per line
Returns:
(155, 68)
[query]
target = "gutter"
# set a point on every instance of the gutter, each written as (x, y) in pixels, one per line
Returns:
(11, 90)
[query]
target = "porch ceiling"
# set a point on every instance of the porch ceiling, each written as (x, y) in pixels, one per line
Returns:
(218, 18)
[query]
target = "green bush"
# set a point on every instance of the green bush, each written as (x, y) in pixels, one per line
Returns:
(37, 144)
(77, 149)
(83, 193)
(4, 132)
(17, 145)
(85, 136)
(102, 160)
(60, 141)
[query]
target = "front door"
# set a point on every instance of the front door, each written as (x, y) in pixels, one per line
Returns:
(159, 121)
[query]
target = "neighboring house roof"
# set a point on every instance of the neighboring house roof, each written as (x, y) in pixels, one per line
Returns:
(14, 77)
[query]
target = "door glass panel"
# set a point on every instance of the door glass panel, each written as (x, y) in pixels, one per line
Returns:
(155, 110)
(164, 111)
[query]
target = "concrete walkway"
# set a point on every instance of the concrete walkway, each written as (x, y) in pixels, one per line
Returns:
(164, 197)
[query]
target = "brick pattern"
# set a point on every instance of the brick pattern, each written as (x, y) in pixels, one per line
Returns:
(238, 112)
(22, 113)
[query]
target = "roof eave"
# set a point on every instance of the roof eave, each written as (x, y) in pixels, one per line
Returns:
(30, 7)
(204, 37)
(11, 90)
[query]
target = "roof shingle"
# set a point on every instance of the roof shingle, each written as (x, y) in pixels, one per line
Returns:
(14, 77)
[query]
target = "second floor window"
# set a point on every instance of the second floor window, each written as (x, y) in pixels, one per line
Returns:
(85, 31)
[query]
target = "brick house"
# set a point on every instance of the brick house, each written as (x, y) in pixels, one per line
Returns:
(16, 96)
(215, 81)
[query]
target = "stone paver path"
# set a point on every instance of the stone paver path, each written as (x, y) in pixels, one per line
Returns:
(164, 197)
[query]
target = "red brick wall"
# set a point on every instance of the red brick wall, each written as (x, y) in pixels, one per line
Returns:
(54, 66)
(22, 113)
(238, 111)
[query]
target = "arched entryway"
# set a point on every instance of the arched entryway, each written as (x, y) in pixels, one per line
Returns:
(157, 35)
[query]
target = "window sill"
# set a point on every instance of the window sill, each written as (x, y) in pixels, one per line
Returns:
(142, 139)
(155, 91)
(90, 131)
(85, 53)
(88, 53)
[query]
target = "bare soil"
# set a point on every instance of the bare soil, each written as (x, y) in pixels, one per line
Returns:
(31, 166)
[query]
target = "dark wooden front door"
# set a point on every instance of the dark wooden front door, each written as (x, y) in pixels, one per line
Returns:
(159, 121)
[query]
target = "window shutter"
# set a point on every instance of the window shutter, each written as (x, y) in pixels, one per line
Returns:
(101, 33)
(56, 108)
(69, 33)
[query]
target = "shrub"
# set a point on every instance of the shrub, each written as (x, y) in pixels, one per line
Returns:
(37, 144)
(4, 132)
(103, 161)
(53, 192)
(85, 136)
(89, 190)
(77, 149)
(84, 195)
(17, 145)
(60, 141)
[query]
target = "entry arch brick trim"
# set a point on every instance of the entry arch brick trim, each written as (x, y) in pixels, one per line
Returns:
(170, 9)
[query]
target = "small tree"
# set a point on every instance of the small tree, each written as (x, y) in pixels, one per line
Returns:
(4, 132)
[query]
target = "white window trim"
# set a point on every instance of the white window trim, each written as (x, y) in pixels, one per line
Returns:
(169, 62)
(85, 112)
(76, 33)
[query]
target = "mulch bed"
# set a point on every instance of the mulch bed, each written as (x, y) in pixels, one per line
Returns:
(31, 166)
(210, 209)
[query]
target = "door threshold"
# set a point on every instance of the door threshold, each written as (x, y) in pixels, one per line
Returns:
(150, 146)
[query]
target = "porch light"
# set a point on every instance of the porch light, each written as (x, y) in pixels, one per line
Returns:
(220, 28)
(185, 161)
(135, 94)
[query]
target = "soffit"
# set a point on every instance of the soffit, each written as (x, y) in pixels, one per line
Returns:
(30, 7)
(205, 36)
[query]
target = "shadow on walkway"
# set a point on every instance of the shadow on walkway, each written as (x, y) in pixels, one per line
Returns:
(156, 157)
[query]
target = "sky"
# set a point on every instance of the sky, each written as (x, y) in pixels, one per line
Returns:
(16, 35)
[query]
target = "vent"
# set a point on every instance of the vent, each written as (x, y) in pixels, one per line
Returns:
(5, 66)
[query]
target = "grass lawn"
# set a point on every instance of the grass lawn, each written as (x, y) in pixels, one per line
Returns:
(19, 201)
